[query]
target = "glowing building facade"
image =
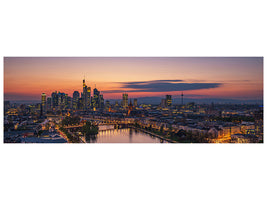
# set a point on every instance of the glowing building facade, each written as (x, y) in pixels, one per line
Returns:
(124, 100)
(43, 103)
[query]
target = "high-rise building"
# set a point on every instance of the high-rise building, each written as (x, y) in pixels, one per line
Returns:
(75, 100)
(130, 108)
(101, 101)
(116, 104)
(135, 103)
(88, 100)
(124, 100)
(96, 100)
(168, 100)
(163, 103)
(80, 104)
(182, 98)
(62, 100)
(54, 96)
(85, 96)
(69, 102)
(43, 104)
(107, 104)
(49, 103)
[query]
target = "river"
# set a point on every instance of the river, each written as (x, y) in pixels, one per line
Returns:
(124, 135)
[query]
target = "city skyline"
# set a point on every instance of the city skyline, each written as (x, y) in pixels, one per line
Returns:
(240, 78)
(164, 115)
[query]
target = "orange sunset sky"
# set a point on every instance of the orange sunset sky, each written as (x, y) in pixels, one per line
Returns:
(25, 78)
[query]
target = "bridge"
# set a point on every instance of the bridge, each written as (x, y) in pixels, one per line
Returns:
(115, 125)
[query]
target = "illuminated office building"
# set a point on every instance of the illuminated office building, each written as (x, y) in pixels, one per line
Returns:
(101, 101)
(69, 102)
(54, 97)
(88, 100)
(163, 103)
(96, 99)
(86, 96)
(116, 104)
(168, 100)
(49, 103)
(107, 105)
(62, 100)
(124, 100)
(43, 104)
(75, 100)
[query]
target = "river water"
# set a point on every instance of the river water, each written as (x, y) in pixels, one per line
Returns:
(125, 135)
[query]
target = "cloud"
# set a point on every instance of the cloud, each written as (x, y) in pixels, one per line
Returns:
(163, 86)
(153, 81)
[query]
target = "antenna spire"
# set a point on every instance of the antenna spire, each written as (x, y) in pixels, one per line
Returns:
(182, 97)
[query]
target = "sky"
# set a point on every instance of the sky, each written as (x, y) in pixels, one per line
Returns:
(26, 78)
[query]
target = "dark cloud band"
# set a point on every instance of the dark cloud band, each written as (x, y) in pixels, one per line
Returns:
(163, 86)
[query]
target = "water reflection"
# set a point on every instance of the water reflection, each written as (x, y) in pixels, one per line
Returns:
(130, 135)
(91, 139)
(124, 135)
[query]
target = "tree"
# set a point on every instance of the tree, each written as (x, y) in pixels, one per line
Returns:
(89, 129)
(70, 120)
(136, 125)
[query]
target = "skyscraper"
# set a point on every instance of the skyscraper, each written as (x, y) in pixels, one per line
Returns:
(107, 105)
(168, 100)
(84, 95)
(43, 104)
(96, 99)
(62, 100)
(163, 103)
(124, 100)
(54, 96)
(75, 100)
(88, 100)
(68, 102)
(101, 101)
(49, 103)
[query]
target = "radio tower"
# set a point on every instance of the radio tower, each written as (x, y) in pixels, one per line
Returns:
(182, 98)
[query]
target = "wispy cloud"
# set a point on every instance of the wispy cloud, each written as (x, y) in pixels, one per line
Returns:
(162, 86)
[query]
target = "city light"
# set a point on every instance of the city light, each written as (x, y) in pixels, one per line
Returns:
(83, 115)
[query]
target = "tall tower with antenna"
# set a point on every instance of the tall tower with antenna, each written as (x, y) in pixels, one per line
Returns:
(85, 95)
(182, 98)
